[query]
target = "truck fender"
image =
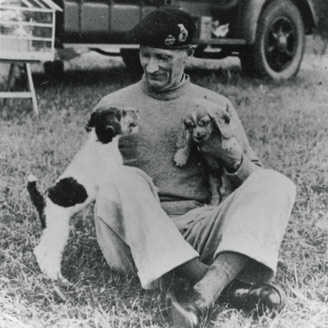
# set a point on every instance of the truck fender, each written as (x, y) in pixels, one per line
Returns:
(250, 11)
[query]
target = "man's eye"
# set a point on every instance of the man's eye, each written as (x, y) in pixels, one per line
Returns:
(164, 58)
(144, 55)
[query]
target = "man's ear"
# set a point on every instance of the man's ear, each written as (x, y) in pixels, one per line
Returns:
(191, 50)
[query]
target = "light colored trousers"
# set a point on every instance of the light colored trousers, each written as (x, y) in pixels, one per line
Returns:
(137, 236)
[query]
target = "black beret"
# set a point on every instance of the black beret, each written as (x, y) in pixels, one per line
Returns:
(165, 28)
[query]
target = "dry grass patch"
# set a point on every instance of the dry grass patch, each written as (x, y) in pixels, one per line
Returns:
(287, 126)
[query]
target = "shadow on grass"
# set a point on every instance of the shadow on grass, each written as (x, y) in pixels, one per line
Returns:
(111, 79)
(116, 75)
(123, 76)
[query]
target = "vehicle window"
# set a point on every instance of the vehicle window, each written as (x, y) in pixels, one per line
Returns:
(127, 1)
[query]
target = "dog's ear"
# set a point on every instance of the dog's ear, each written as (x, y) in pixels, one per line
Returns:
(183, 134)
(115, 112)
(105, 134)
(106, 122)
(103, 114)
(181, 141)
(92, 121)
(221, 119)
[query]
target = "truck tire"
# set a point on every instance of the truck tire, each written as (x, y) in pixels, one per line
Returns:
(131, 60)
(55, 69)
(279, 45)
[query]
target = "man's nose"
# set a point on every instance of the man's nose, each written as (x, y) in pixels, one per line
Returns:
(152, 66)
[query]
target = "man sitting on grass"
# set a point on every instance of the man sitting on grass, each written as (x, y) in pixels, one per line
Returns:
(232, 247)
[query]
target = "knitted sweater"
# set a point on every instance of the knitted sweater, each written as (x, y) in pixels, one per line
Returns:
(153, 148)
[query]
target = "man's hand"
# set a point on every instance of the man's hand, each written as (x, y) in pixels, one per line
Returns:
(226, 150)
(231, 154)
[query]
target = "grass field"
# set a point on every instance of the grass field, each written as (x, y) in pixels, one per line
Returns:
(287, 126)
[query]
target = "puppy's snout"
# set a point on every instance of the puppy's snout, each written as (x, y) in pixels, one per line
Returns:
(199, 136)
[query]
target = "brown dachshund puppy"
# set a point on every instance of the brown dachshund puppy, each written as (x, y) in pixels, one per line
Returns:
(207, 129)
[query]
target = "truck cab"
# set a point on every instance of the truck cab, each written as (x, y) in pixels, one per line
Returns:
(267, 35)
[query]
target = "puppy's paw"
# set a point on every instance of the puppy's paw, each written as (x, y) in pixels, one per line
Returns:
(180, 158)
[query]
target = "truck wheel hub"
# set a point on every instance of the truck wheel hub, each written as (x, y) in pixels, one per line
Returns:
(282, 42)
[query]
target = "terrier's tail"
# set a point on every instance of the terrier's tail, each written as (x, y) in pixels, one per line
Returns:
(37, 199)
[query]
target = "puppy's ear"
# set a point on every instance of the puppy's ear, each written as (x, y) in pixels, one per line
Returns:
(221, 119)
(183, 135)
(181, 141)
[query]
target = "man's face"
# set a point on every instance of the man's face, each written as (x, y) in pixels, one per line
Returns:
(163, 68)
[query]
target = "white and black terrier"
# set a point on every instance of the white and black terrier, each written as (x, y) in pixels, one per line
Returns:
(78, 185)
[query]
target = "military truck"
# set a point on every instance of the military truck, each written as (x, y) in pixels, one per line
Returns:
(267, 35)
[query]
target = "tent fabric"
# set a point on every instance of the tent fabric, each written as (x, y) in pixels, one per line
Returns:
(38, 4)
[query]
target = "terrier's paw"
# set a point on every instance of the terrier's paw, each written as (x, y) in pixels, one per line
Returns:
(180, 158)
(64, 281)
(49, 266)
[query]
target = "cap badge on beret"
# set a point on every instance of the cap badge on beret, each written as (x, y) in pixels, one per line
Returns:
(170, 40)
(166, 28)
(183, 33)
